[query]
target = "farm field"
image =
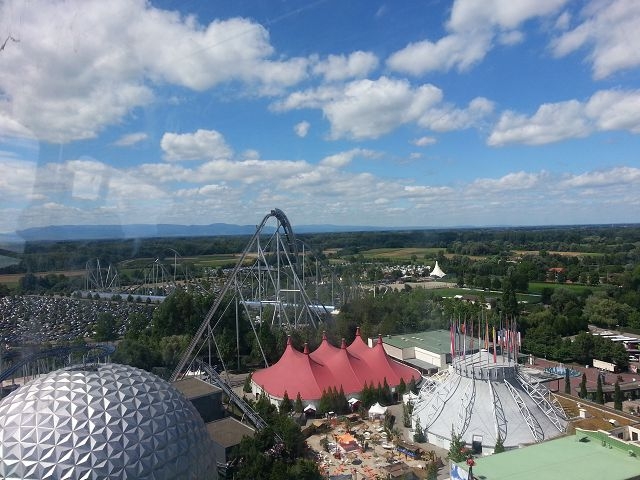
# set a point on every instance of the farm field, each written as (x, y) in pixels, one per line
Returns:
(400, 254)
(537, 287)
(562, 254)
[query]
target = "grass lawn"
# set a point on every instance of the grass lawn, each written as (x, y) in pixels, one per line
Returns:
(537, 287)
(450, 292)
(401, 253)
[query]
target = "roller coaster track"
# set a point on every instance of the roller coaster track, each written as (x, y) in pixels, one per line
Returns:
(250, 413)
(290, 253)
(101, 352)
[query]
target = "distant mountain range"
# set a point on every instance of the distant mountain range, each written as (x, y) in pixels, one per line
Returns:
(100, 232)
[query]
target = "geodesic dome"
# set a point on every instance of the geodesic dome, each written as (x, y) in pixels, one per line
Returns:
(103, 421)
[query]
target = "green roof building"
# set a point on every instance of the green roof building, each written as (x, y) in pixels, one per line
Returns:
(585, 455)
(428, 351)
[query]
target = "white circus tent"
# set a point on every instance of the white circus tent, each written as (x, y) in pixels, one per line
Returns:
(437, 271)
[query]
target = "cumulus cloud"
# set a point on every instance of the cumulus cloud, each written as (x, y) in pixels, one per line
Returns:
(371, 108)
(203, 144)
(609, 30)
(341, 159)
(448, 118)
(423, 141)
(302, 129)
(602, 178)
(16, 181)
(605, 110)
(97, 61)
(131, 139)
(340, 67)
(473, 29)
(367, 108)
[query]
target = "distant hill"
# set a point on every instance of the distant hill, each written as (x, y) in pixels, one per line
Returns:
(101, 232)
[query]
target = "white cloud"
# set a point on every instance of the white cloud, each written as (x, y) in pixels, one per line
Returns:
(609, 29)
(615, 110)
(340, 67)
(424, 141)
(131, 139)
(97, 61)
(17, 177)
(603, 178)
(473, 27)
(551, 123)
(302, 129)
(448, 118)
(459, 51)
(367, 108)
(203, 144)
(513, 37)
(341, 159)
(511, 181)
(605, 110)
(371, 108)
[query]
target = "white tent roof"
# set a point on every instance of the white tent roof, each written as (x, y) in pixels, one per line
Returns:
(353, 401)
(377, 409)
(437, 271)
(409, 397)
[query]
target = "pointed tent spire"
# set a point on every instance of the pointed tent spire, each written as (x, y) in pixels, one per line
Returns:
(324, 336)
(306, 348)
(288, 340)
(344, 344)
(357, 331)
(379, 339)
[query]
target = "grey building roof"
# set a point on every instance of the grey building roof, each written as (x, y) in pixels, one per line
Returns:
(478, 397)
(192, 387)
(102, 421)
(228, 431)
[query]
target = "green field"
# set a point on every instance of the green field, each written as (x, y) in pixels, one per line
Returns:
(537, 287)
(401, 253)
(211, 261)
(450, 292)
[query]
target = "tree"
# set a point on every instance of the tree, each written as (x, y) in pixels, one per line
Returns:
(457, 448)
(401, 389)
(297, 405)
(599, 395)
(418, 433)
(286, 405)
(567, 382)
(105, 328)
(246, 388)
(583, 386)
(617, 396)
(499, 447)
(407, 409)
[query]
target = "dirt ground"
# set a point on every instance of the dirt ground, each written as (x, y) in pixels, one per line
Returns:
(369, 464)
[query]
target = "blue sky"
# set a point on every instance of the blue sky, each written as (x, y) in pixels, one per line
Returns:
(384, 113)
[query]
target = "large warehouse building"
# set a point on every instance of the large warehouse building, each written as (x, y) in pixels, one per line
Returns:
(427, 351)
(311, 373)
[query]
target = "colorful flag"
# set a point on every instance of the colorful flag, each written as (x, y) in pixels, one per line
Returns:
(495, 360)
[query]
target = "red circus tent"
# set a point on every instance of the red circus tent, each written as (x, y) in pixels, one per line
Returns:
(350, 367)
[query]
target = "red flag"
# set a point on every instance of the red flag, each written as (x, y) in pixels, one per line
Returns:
(453, 353)
(495, 360)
